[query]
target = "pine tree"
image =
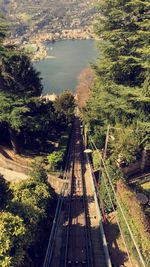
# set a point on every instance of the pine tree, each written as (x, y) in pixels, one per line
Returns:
(2, 34)
(121, 90)
(124, 28)
(20, 84)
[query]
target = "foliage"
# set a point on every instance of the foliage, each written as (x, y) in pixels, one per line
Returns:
(105, 187)
(96, 159)
(97, 132)
(55, 159)
(30, 199)
(120, 95)
(3, 29)
(38, 173)
(106, 193)
(27, 117)
(39, 123)
(125, 145)
(123, 25)
(26, 219)
(64, 106)
(4, 192)
(12, 239)
(19, 78)
(136, 219)
(20, 83)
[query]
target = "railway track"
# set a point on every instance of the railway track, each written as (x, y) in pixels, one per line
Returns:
(74, 231)
(78, 248)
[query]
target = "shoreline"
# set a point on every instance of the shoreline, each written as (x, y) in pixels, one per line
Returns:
(42, 52)
(35, 46)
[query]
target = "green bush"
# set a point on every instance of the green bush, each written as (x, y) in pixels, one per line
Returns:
(55, 159)
(26, 219)
(4, 192)
(96, 159)
(12, 240)
(137, 221)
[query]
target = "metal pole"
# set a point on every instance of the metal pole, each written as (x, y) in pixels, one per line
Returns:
(106, 142)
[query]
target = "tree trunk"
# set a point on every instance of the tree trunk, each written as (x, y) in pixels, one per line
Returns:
(14, 140)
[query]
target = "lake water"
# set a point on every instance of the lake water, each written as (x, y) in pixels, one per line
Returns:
(65, 61)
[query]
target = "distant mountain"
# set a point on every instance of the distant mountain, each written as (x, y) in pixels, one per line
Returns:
(26, 5)
(32, 16)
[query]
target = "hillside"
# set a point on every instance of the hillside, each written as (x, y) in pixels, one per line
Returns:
(28, 17)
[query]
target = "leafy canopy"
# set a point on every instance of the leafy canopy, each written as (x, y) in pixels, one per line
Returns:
(120, 94)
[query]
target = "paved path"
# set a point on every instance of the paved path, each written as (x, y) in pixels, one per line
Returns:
(12, 176)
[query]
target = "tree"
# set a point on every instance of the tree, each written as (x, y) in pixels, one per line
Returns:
(19, 84)
(34, 201)
(120, 94)
(31, 200)
(38, 173)
(126, 145)
(18, 74)
(64, 106)
(41, 121)
(4, 192)
(12, 240)
(2, 34)
(123, 25)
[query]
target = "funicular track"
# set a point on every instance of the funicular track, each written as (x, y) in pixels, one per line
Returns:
(78, 248)
(70, 243)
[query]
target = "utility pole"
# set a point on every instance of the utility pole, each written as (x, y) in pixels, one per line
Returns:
(86, 136)
(106, 142)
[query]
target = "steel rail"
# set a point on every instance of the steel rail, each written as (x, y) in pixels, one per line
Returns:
(106, 252)
(87, 230)
(54, 230)
(69, 209)
(56, 220)
(89, 255)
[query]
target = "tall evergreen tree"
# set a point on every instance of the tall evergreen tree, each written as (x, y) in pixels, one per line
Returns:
(124, 27)
(2, 34)
(19, 84)
(64, 106)
(121, 90)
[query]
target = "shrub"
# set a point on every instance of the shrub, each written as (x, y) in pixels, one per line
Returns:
(55, 159)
